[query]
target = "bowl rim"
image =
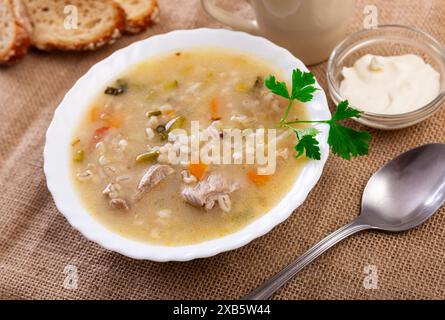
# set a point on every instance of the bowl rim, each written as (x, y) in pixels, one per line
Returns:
(429, 107)
(67, 114)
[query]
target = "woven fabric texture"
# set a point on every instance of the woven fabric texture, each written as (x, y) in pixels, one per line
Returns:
(37, 243)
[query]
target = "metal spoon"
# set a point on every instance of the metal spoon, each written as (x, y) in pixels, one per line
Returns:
(402, 195)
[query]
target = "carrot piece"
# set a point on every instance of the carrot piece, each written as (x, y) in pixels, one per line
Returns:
(95, 113)
(99, 134)
(111, 120)
(114, 121)
(198, 169)
(214, 112)
(169, 112)
(256, 178)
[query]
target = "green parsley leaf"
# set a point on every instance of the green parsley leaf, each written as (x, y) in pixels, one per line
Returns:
(346, 142)
(344, 111)
(302, 85)
(309, 145)
(306, 132)
(279, 88)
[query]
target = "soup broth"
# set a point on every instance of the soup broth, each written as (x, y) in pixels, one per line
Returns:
(120, 165)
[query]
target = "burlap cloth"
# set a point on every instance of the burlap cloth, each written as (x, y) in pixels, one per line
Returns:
(37, 243)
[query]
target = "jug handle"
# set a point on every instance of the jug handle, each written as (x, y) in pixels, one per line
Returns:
(229, 18)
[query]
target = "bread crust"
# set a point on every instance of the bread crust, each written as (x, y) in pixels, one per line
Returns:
(144, 20)
(22, 40)
(109, 36)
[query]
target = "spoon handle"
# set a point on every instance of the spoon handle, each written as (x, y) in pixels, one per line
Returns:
(270, 286)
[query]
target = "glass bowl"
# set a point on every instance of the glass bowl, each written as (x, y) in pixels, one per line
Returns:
(388, 40)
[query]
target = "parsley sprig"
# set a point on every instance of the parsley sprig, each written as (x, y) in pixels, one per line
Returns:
(344, 141)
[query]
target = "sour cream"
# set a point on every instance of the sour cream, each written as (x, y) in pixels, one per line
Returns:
(390, 85)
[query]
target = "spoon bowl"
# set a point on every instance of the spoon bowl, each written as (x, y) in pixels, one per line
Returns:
(406, 191)
(403, 194)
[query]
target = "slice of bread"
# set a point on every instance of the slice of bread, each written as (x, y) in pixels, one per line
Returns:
(14, 31)
(140, 13)
(54, 23)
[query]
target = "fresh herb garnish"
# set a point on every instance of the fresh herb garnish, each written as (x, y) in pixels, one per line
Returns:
(344, 141)
(259, 82)
(309, 144)
(120, 88)
(114, 91)
(155, 113)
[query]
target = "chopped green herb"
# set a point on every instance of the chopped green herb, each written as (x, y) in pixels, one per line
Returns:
(344, 141)
(147, 156)
(175, 123)
(153, 114)
(120, 88)
(160, 129)
(259, 82)
(171, 85)
(114, 91)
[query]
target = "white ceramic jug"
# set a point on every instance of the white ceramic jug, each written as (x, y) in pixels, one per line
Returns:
(310, 29)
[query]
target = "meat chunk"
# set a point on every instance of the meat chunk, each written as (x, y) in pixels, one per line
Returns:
(112, 192)
(119, 204)
(207, 192)
(155, 174)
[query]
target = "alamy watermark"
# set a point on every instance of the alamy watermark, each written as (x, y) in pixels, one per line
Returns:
(71, 280)
(228, 146)
(71, 17)
(371, 20)
(371, 280)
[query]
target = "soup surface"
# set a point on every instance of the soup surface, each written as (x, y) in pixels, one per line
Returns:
(120, 149)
